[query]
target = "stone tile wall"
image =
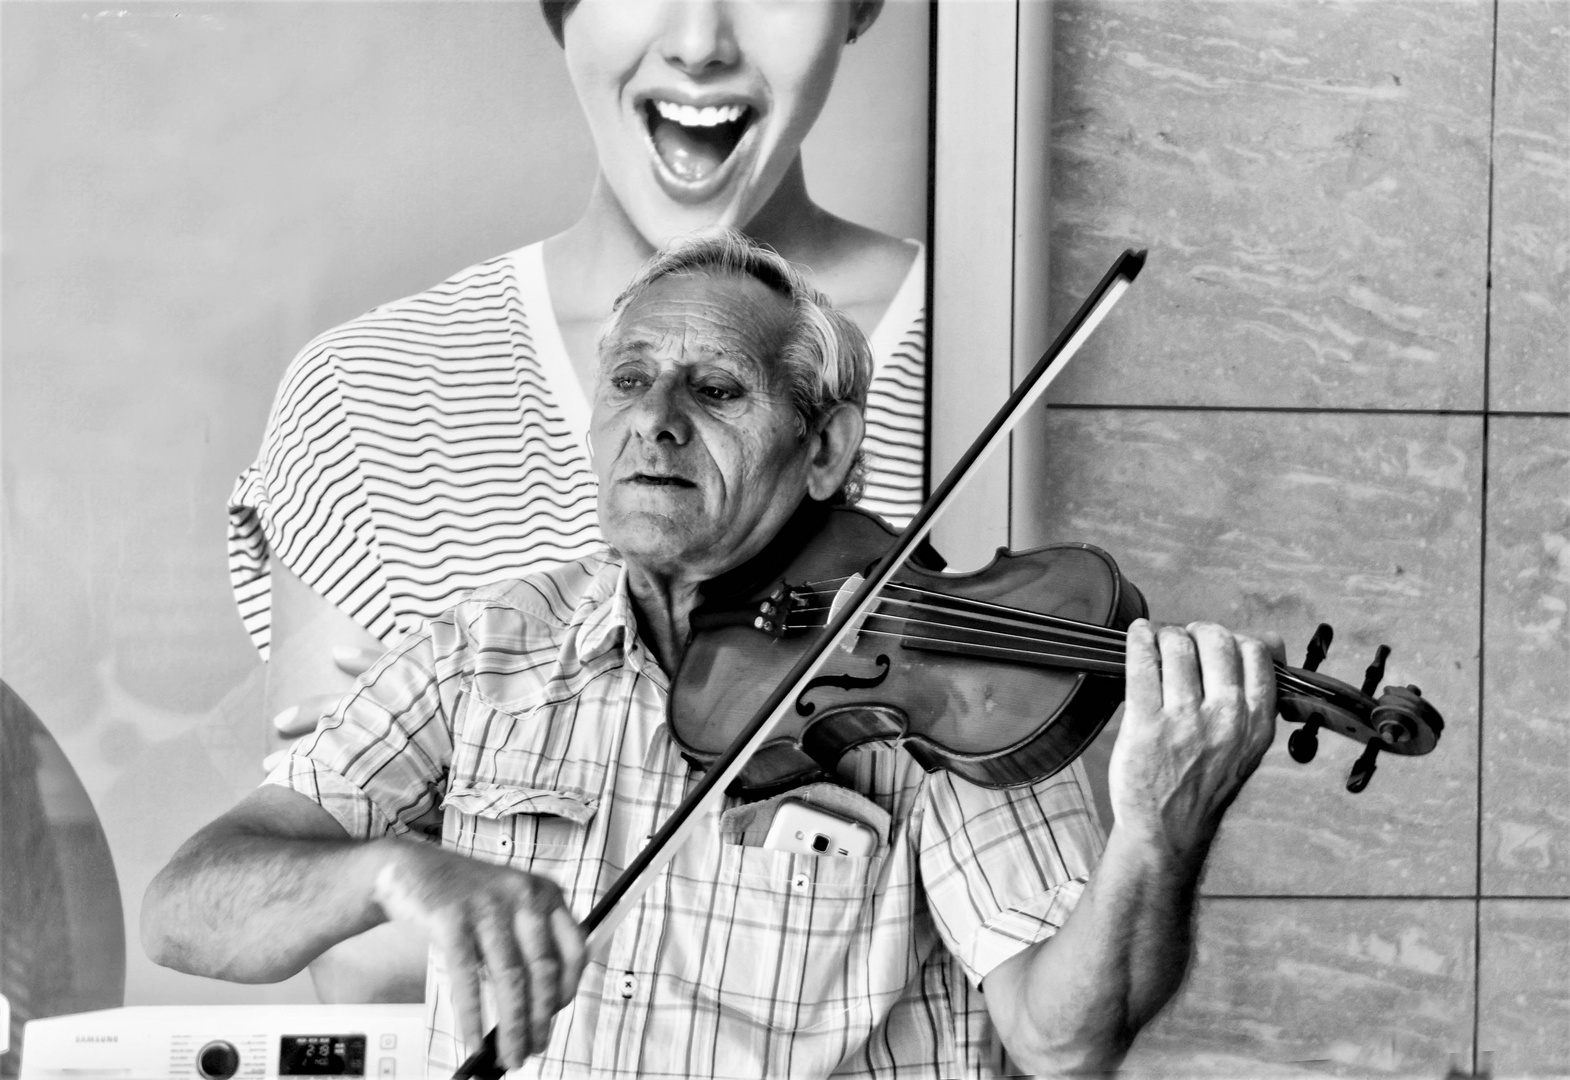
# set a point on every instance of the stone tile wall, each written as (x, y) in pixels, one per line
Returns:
(1341, 392)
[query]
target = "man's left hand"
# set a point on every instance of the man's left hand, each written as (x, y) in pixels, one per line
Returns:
(1200, 714)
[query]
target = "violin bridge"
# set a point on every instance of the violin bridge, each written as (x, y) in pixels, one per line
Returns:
(841, 598)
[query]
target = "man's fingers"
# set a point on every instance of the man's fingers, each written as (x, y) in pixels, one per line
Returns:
(544, 963)
(463, 973)
(1181, 689)
(1142, 666)
(1274, 646)
(1259, 690)
(1220, 666)
(507, 971)
(572, 947)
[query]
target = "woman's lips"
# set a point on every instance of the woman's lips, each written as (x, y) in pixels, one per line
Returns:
(694, 143)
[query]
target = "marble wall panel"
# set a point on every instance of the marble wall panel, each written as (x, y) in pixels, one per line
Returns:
(1276, 522)
(1523, 1014)
(1526, 659)
(1529, 339)
(1319, 988)
(1312, 182)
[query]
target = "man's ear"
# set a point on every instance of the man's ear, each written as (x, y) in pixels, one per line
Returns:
(834, 445)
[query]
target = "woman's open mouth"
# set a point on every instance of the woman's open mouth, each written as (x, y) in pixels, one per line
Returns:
(693, 142)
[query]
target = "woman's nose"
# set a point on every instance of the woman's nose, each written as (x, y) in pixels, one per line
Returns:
(661, 411)
(699, 38)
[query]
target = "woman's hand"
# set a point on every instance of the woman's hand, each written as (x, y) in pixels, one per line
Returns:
(317, 653)
(302, 718)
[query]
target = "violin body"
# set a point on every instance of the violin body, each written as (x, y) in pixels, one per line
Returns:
(1002, 675)
(910, 673)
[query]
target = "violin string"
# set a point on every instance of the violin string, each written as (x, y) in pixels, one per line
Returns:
(1030, 649)
(947, 602)
(982, 619)
(1002, 652)
(980, 615)
(1108, 635)
(1075, 648)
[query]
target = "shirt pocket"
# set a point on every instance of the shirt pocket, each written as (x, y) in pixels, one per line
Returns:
(534, 829)
(790, 938)
(519, 792)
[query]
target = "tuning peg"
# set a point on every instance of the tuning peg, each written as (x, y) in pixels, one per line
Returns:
(1303, 743)
(1376, 670)
(1318, 646)
(1363, 768)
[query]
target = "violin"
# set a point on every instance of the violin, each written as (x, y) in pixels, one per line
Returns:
(1040, 632)
(1002, 676)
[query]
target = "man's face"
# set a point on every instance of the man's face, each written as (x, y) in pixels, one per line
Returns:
(695, 437)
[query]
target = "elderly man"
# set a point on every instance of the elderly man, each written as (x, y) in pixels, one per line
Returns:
(527, 726)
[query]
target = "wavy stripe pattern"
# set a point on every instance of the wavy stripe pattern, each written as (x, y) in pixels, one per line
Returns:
(420, 451)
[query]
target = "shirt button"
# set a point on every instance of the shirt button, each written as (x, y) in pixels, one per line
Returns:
(800, 882)
(629, 985)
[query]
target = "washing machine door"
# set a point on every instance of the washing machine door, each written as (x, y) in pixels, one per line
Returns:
(62, 931)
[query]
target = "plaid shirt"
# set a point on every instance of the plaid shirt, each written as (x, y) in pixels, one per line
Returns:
(533, 718)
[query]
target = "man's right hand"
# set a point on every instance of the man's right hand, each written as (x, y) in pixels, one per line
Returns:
(511, 928)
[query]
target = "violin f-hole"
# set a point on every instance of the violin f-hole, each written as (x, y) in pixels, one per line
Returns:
(842, 682)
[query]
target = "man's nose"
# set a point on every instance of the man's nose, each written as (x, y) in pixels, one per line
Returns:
(661, 413)
(699, 38)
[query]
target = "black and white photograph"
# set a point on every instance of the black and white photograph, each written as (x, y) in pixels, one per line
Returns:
(785, 538)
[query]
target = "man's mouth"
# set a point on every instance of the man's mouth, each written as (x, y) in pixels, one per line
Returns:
(694, 141)
(656, 480)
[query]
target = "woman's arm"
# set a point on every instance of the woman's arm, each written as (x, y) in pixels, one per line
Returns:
(317, 650)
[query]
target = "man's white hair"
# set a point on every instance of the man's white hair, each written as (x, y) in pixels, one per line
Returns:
(826, 357)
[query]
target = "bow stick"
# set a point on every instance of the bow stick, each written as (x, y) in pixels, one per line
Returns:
(628, 889)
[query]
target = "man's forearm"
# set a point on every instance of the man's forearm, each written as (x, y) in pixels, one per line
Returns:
(1074, 1003)
(239, 904)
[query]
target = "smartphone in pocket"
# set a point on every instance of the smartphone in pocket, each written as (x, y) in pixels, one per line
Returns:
(809, 830)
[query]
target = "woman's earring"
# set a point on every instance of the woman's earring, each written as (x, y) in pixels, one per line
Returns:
(588, 442)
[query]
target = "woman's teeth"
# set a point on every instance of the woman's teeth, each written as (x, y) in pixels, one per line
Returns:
(692, 116)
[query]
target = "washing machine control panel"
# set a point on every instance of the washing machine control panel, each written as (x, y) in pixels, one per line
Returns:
(228, 1042)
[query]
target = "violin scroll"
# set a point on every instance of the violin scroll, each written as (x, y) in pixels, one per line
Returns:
(1399, 721)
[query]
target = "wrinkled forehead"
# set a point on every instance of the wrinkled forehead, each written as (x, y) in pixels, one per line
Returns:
(702, 315)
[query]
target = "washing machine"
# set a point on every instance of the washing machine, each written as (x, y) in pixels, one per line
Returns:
(220, 1042)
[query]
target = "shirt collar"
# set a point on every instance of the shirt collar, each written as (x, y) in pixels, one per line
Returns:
(605, 618)
(607, 622)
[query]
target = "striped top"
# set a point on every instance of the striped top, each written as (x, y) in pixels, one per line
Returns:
(437, 443)
(530, 719)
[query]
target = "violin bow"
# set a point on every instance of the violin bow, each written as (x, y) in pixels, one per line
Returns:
(628, 889)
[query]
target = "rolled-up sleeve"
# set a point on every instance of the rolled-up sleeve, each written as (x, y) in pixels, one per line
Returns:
(1002, 869)
(379, 763)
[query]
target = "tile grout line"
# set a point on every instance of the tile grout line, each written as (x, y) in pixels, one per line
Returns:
(1482, 548)
(1514, 414)
(1456, 898)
